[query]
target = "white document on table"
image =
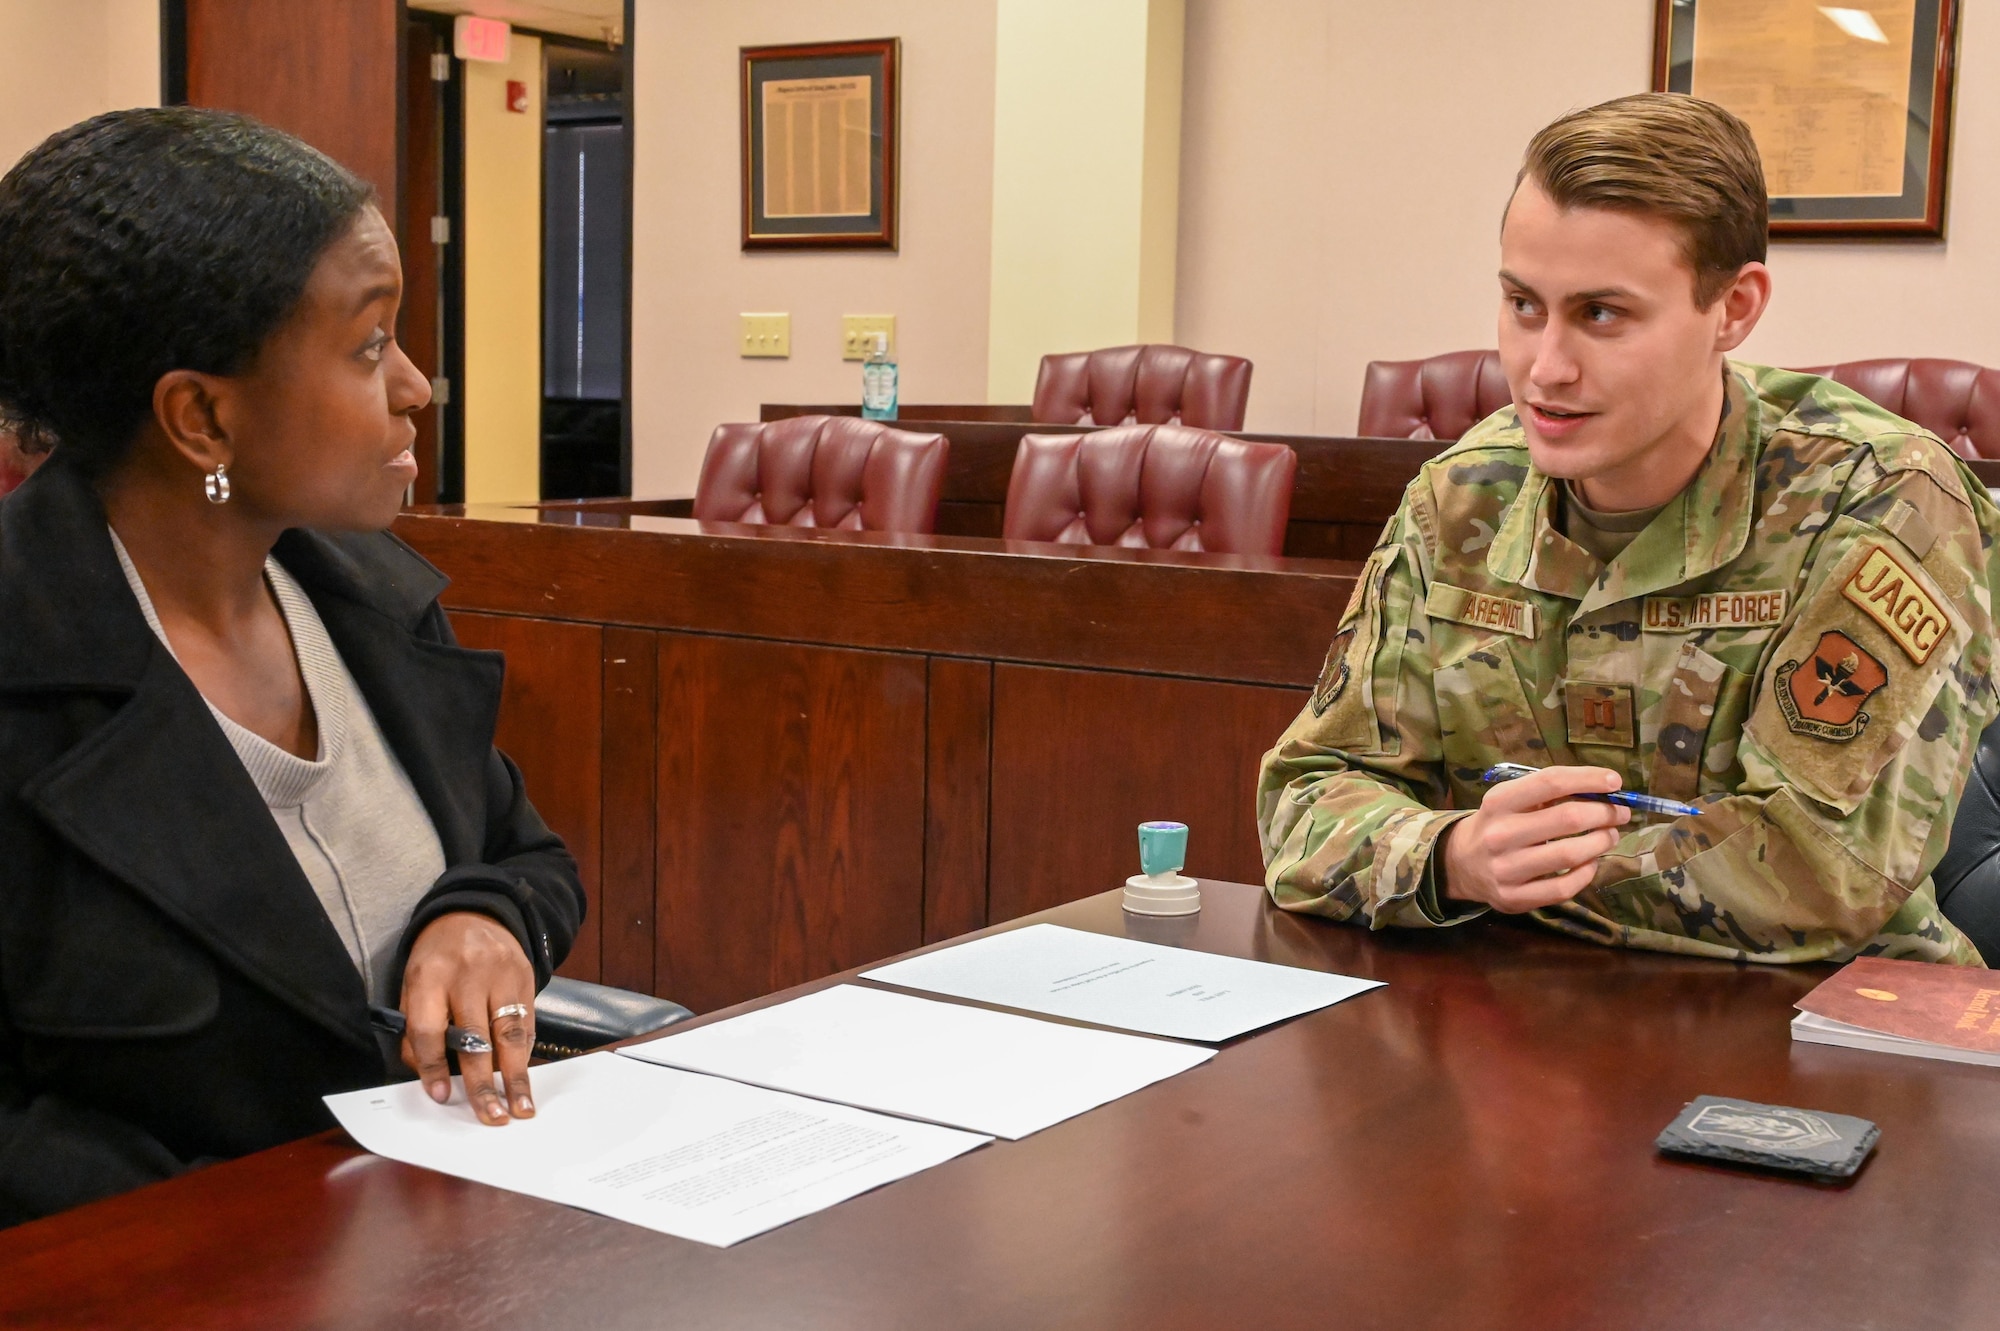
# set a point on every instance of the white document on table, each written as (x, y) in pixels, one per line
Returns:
(698, 1157)
(1122, 982)
(992, 1072)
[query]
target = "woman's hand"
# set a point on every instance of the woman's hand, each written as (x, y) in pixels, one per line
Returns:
(464, 970)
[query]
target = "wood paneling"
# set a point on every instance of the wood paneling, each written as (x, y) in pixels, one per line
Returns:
(957, 781)
(326, 72)
(631, 728)
(1229, 617)
(551, 725)
(1081, 758)
(816, 748)
(790, 817)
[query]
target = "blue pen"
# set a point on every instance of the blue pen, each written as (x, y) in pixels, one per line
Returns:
(1630, 799)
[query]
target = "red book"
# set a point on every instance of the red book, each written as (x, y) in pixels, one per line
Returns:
(1906, 1007)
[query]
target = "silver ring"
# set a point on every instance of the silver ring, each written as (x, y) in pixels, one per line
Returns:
(511, 1010)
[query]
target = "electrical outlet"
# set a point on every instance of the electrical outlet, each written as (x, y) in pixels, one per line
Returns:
(766, 334)
(857, 334)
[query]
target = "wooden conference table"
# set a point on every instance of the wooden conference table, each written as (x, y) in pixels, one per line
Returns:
(1469, 1147)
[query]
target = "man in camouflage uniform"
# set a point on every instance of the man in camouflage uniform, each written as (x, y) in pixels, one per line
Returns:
(1793, 630)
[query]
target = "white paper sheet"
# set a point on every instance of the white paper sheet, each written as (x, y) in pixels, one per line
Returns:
(1122, 982)
(698, 1157)
(991, 1072)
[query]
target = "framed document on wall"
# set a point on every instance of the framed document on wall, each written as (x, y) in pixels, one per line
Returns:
(1850, 103)
(819, 145)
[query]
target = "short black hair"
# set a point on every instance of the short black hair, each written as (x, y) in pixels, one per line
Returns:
(139, 242)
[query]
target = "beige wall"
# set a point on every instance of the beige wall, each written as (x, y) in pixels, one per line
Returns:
(502, 392)
(1086, 152)
(1343, 169)
(1344, 165)
(61, 62)
(691, 277)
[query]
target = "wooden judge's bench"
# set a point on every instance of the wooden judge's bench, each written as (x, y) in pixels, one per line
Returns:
(777, 753)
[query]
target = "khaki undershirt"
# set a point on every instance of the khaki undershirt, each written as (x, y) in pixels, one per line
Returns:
(1605, 535)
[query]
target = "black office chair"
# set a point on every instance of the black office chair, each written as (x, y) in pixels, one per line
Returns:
(575, 1016)
(1968, 877)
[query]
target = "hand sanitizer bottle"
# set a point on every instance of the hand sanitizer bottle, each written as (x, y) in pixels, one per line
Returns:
(1161, 889)
(878, 383)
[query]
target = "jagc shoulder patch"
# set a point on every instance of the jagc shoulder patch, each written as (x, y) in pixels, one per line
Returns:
(1822, 696)
(1894, 597)
(1714, 610)
(1479, 610)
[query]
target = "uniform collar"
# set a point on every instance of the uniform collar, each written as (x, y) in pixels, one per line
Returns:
(1701, 529)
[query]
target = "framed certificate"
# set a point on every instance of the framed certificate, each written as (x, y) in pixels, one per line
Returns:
(1850, 103)
(819, 145)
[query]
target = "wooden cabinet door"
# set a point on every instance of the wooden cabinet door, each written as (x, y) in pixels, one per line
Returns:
(552, 726)
(1082, 757)
(790, 822)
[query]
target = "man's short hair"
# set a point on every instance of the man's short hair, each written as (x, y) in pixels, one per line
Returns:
(1666, 155)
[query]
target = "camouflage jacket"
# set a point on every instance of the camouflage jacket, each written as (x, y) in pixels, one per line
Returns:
(1801, 642)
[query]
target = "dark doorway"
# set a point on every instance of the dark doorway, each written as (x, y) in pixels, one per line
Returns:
(432, 323)
(583, 273)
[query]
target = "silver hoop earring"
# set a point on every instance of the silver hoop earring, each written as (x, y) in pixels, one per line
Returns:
(216, 484)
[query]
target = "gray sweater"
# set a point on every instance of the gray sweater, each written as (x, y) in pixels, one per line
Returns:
(351, 817)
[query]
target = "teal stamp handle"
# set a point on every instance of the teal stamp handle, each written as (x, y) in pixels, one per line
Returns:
(1162, 847)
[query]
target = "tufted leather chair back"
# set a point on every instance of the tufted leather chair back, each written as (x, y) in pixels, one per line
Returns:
(1143, 385)
(823, 471)
(1956, 400)
(1161, 486)
(1439, 397)
(1444, 396)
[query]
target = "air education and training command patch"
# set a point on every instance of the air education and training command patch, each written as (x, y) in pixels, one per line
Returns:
(1332, 675)
(1822, 696)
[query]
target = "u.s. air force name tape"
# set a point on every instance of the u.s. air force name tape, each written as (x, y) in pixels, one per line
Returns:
(1714, 610)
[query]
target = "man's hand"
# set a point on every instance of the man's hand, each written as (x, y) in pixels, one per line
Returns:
(1529, 844)
(464, 969)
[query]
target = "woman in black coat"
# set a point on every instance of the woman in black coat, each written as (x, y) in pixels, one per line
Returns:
(197, 320)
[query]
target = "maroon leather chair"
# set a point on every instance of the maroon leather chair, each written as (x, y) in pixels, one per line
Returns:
(823, 471)
(1444, 396)
(1956, 400)
(1143, 385)
(1439, 397)
(1167, 487)
(15, 466)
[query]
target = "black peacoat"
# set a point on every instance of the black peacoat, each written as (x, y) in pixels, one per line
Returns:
(171, 990)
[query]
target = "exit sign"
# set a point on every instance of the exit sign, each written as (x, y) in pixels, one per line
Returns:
(475, 38)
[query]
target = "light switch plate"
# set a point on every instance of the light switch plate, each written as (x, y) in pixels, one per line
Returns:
(857, 332)
(766, 334)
